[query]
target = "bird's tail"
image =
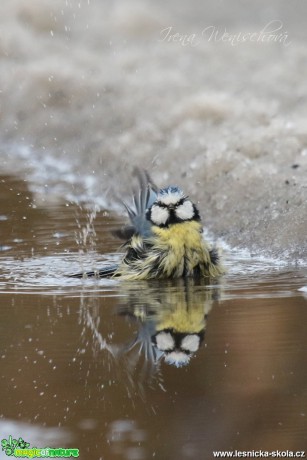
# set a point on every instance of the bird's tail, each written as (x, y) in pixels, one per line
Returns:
(105, 272)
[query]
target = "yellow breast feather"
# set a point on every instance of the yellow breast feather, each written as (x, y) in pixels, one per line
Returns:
(172, 252)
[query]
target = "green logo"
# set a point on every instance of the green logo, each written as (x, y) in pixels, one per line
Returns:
(9, 445)
(20, 448)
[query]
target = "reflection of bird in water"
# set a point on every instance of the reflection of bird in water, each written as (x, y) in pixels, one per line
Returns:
(171, 318)
(164, 238)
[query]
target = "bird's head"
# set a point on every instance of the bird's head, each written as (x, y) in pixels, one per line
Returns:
(171, 206)
(178, 348)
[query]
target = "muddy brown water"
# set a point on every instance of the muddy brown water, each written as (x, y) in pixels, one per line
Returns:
(78, 367)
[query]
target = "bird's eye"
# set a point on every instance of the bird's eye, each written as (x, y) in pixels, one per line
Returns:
(180, 202)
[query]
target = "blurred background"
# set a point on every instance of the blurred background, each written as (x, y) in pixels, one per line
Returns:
(208, 95)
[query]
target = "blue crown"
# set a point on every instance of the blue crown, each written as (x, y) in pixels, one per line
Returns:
(172, 189)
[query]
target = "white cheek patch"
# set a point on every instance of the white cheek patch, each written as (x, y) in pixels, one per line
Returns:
(159, 215)
(185, 211)
(165, 341)
(190, 343)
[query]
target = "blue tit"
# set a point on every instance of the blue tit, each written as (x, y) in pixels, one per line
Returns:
(165, 238)
(171, 321)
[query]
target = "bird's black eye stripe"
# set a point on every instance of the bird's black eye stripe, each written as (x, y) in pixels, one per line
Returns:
(163, 205)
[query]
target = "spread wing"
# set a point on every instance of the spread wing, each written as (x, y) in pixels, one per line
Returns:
(143, 198)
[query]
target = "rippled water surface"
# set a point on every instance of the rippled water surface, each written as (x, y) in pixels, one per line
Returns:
(80, 367)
